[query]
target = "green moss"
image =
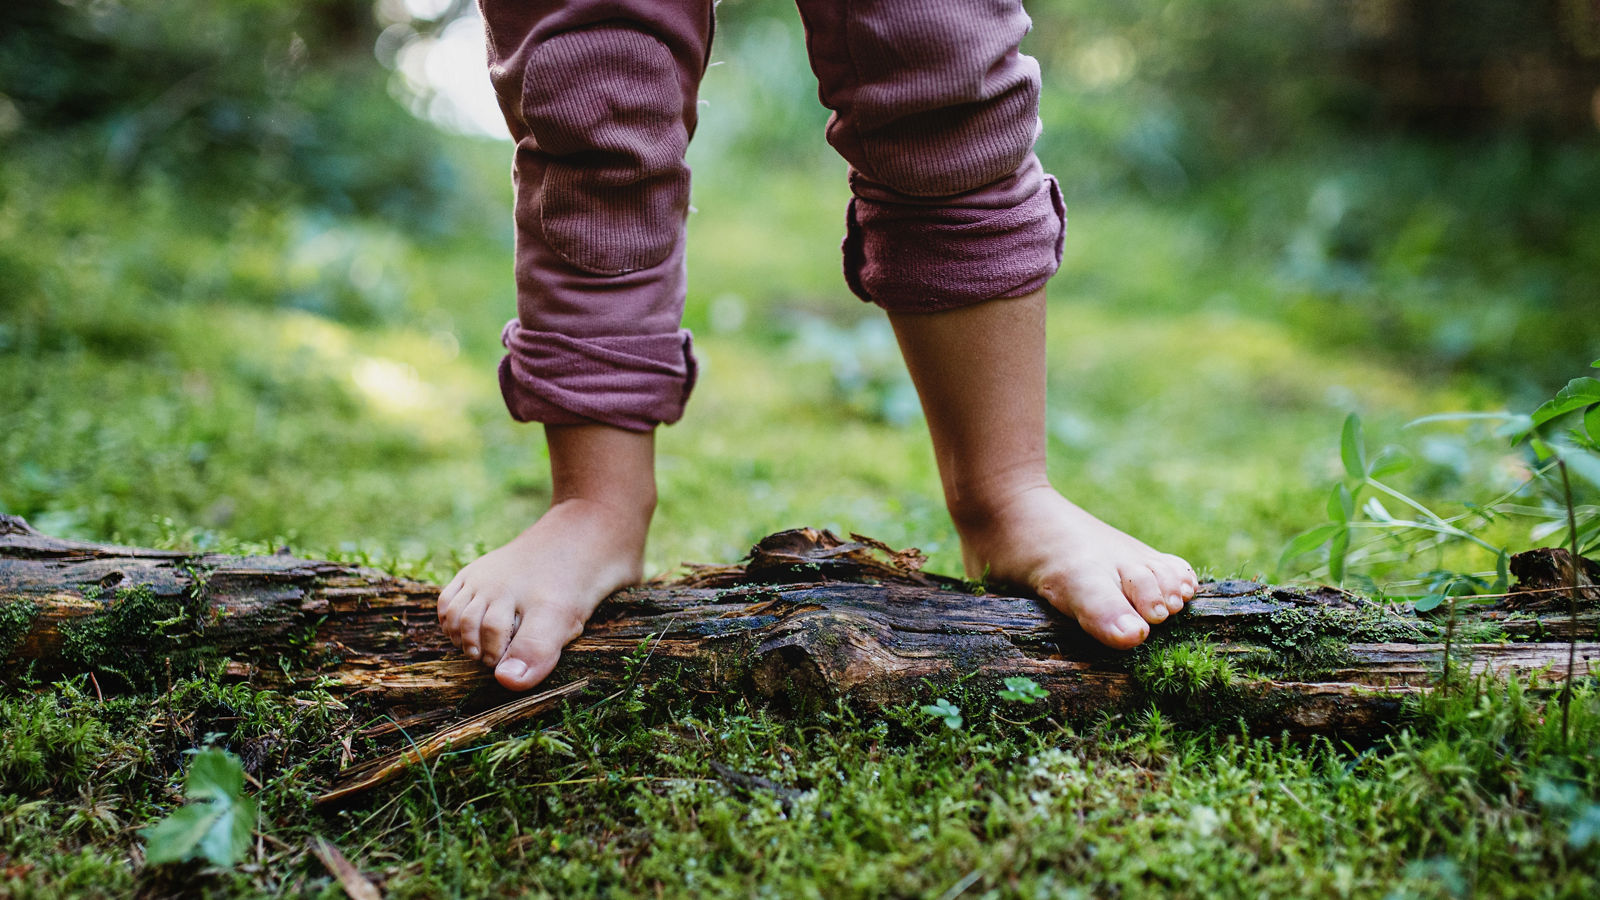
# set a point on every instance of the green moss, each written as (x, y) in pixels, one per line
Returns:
(16, 619)
(1184, 669)
(1306, 642)
(137, 634)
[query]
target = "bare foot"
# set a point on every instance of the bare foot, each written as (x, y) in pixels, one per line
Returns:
(516, 607)
(1110, 582)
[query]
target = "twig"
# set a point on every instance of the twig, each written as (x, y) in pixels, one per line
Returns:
(355, 884)
(369, 775)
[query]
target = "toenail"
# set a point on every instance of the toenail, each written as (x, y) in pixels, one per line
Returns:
(512, 668)
(470, 651)
(1129, 624)
(1158, 613)
(1175, 602)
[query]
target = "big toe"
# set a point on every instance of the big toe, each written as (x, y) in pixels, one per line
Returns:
(532, 653)
(1100, 608)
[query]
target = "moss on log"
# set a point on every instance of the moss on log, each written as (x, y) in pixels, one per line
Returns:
(808, 618)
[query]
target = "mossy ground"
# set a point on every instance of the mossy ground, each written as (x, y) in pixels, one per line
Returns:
(1480, 797)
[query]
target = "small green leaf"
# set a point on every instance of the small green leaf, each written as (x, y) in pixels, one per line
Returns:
(1578, 393)
(214, 775)
(1023, 690)
(1341, 505)
(1430, 602)
(1389, 461)
(1541, 449)
(945, 710)
(1502, 574)
(1584, 465)
(216, 823)
(1336, 554)
(1307, 542)
(1595, 364)
(1591, 422)
(1352, 449)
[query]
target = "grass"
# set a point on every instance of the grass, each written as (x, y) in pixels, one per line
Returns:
(208, 372)
(623, 799)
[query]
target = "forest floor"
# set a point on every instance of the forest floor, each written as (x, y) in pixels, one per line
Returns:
(184, 372)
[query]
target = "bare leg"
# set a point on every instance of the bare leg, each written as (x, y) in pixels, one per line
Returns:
(980, 371)
(516, 607)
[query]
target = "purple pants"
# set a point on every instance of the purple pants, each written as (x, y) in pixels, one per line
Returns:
(933, 107)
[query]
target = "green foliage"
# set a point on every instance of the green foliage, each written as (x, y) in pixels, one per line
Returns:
(249, 97)
(49, 745)
(944, 711)
(260, 324)
(16, 619)
(136, 635)
(216, 822)
(1427, 530)
(1184, 669)
(1023, 690)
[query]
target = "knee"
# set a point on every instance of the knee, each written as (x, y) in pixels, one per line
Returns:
(944, 107)
(605, 109)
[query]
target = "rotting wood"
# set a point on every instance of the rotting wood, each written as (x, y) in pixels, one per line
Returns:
(806, 619)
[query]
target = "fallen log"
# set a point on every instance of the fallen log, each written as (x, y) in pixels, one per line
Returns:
(806, 619)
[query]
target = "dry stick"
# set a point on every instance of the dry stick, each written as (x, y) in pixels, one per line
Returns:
(1572, 600)
(355, 884)
(369, 775)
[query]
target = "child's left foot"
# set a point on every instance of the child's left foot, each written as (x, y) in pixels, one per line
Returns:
(1114, 585)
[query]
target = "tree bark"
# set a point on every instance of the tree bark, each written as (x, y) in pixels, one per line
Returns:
(808, 618)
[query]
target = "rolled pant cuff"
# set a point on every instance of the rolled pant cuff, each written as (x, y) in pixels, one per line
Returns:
(634, 382)
(914, 258)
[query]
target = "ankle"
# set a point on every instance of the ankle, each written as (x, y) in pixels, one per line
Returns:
(620, 509)
(975, 505)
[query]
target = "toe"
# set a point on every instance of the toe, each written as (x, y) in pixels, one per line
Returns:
(450, 592)
(1100, 607)
(450, 615)
(1177, 581)
(469, 625)
(448, 598)
(533, 652)
(499, 624)
(1140, 586)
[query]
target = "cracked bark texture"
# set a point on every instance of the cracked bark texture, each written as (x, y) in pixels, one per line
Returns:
(806, 619)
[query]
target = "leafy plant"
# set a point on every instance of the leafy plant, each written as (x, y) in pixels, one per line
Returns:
(1023, 690)
(215, 824)
(946, 711)
(1579, 451)
(1357, 503)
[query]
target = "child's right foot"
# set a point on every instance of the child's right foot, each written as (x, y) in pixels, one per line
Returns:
(515, 608)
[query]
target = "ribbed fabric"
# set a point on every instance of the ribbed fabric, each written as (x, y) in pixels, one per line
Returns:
(934, 108)
(600, 98)
(604, 107)
(936, 111)
(555, 379)
(927, 259)
(932, 99)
